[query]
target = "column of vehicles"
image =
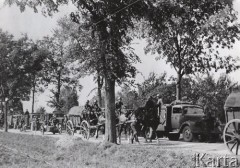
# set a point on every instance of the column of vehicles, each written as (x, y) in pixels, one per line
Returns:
(180, 118)
(175, 119)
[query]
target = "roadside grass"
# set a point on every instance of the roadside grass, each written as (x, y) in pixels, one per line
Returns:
(19, 150)
(25, 150)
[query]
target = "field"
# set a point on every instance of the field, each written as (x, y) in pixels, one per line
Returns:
(22, 150)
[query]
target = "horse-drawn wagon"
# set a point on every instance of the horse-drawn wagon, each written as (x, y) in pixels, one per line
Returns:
(85, 121)
(231, 133)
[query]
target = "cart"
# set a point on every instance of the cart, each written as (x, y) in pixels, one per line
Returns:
(90, 128)
(73, 119)
(231, 133)
(73, 123)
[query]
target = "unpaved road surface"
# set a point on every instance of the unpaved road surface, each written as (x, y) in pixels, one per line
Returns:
(198, 147)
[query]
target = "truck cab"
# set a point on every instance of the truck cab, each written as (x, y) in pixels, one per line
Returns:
(181, 118)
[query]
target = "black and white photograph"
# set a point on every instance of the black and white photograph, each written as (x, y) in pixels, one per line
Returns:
(119, 83)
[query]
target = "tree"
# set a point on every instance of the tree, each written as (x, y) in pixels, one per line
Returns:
(41, 110)
(108, 22)
(56, 70)
(191, 38)
(15, 69)
(129, 97)
(213, 93)
(68, 98)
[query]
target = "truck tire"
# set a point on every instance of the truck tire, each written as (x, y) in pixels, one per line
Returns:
(187, 134)
(173, 136)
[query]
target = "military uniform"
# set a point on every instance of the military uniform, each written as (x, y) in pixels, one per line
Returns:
(119, 105)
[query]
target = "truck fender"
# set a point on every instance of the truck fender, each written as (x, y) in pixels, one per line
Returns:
(187, 123)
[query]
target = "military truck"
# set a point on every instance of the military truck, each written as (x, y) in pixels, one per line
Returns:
(186, 119)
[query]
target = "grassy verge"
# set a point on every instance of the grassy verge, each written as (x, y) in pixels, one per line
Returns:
(19, 150)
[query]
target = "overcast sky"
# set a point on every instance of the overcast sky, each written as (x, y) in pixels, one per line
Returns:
(37, 26)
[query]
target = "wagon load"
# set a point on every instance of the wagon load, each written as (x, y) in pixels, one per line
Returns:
(231, 133)
(75, 114)
(75, 117)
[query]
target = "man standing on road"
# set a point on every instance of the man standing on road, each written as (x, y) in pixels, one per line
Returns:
(159, 104)
(28, 116)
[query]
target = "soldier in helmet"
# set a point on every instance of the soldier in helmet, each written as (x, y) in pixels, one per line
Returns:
(96, 108)
(87, 106)
(119, 105)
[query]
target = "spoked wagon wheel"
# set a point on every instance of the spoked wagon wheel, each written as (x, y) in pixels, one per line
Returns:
(69, 127)
(231, 136)
(85, 129)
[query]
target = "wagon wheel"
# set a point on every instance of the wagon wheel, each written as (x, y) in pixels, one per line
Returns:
(69, 127)
(85, 129)
(231, 136)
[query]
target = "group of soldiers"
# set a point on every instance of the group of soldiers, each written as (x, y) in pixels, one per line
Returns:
(150, 104)
(94, 110)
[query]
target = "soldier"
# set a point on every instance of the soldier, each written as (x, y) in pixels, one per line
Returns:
(93, 118)
(159, 104)
(65, 119)
(134, 126)
(209, 126)
(87, 106)
(54, 120)
(96, 108)
(28, 116)
(119, 105)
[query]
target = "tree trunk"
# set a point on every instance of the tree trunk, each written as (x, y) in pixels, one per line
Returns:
(2, 108)
(179, 87)
(110, 125)
(33, 95)
(99, 82)
(58, 90)
(5, 117)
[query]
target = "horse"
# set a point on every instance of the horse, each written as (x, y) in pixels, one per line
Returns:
(149, 121)
(123, 124)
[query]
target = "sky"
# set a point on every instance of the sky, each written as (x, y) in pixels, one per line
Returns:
(36, 26)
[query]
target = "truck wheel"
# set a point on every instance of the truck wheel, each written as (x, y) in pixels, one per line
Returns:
(187, 134)
(173, 136)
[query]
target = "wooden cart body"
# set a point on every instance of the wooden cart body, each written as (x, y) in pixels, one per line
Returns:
(231, 133)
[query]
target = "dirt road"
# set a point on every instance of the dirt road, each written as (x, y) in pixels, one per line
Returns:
(198, 147)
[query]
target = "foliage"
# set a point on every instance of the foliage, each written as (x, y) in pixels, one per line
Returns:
(192, 37)
(18, 61)
(68, 98)
(41, 110)
(213, 93)
(57, 69)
